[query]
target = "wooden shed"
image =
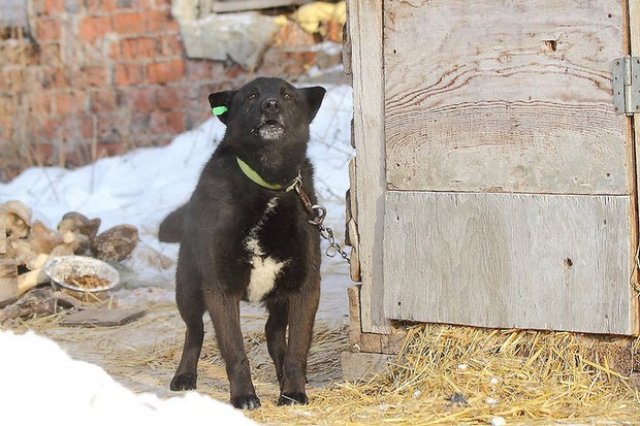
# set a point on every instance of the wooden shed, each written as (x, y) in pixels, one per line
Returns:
(495, 177)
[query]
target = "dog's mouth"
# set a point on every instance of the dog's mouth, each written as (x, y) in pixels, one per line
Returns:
(271, 129)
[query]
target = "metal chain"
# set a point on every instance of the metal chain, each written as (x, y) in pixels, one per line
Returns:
(334, 247)
(319, 213)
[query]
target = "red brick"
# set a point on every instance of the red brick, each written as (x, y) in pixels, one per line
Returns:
(170, 45)
(41, 105)
(52, 7)
(48, 129)
(70, 103)
(168, 98)
(139, 123)
(12, 80)
(56, 78)
(199, 69)
(140, 47)
(128, 74)
(94, 27)
(92, 76)
(87, 126)
(44, 151)
(50, 53)
(142, 99)
(160, 21)
(114, 50)
(110, 5)
(235, 71)
(167, 122)
(109, 128)
(162, 4)
(48, 29)
(94, 6)
(164, 72)
(110, 149)
(103, 100)
(129, 23)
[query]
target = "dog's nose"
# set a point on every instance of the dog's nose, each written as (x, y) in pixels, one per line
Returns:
(271, 105)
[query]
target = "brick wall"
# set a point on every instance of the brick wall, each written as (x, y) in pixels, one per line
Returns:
(98, 77)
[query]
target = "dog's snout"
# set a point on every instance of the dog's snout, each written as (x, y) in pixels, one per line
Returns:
(271, 105)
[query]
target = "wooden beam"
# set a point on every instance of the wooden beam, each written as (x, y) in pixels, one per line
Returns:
(360, 341)
(365, 27)
(240, 5)
(633, 43)
(3, 239)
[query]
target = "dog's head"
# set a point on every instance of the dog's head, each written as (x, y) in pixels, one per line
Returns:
(268, 110)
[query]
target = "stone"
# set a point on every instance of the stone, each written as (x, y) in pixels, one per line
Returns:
(241, 37)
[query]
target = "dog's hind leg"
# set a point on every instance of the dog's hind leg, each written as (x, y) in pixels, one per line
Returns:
(302, 312)
(191, 307)
(225, 314)
(275, 331)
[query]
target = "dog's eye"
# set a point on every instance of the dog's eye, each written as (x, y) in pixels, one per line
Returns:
(252, 96)
(288, 96)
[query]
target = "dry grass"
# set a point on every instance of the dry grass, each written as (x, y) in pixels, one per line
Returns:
(524, 377)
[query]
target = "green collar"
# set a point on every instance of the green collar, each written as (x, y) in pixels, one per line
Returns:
(256, 178)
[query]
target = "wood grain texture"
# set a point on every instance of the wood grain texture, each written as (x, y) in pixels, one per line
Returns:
(633, 42)
(3, 239)
(365, 26)
(503, 96)
(502, 260)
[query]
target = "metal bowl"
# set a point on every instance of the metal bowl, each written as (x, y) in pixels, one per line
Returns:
(60, 269)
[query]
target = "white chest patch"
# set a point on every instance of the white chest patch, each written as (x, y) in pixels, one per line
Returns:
(264, 269)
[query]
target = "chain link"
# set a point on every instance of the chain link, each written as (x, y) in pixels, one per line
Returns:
(334, 247)
(319, 213)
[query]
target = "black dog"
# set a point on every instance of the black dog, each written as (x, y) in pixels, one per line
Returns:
(246, 236)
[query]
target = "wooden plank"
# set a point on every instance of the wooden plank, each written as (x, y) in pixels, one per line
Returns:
(346, 48)
(633, 42)
(8, 280)
(103, 317)
(240, 5)
(503, 96)
(353, 185)
(3, 238)
(365, 25)
(501, 260)
(354, 259)
(360, 341)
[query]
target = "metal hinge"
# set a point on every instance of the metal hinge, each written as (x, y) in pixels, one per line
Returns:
(626, 85)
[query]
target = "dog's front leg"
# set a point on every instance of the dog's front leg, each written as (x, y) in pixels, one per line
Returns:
(302, 312)
(225, 314)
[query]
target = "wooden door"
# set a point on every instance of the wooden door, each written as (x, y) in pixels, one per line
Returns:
(508, 181)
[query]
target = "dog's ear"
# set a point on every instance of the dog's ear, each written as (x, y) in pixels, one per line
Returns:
(221, 103)
(314, 96)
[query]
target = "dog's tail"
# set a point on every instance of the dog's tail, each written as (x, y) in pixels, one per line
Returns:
(171, 227)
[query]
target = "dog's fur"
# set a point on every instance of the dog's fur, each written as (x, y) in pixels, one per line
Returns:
(242, 241)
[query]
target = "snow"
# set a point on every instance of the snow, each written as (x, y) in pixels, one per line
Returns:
(34, 368)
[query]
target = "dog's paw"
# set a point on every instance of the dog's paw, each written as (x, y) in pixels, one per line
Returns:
(184, 381)
(246, 402)
(293, 398)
